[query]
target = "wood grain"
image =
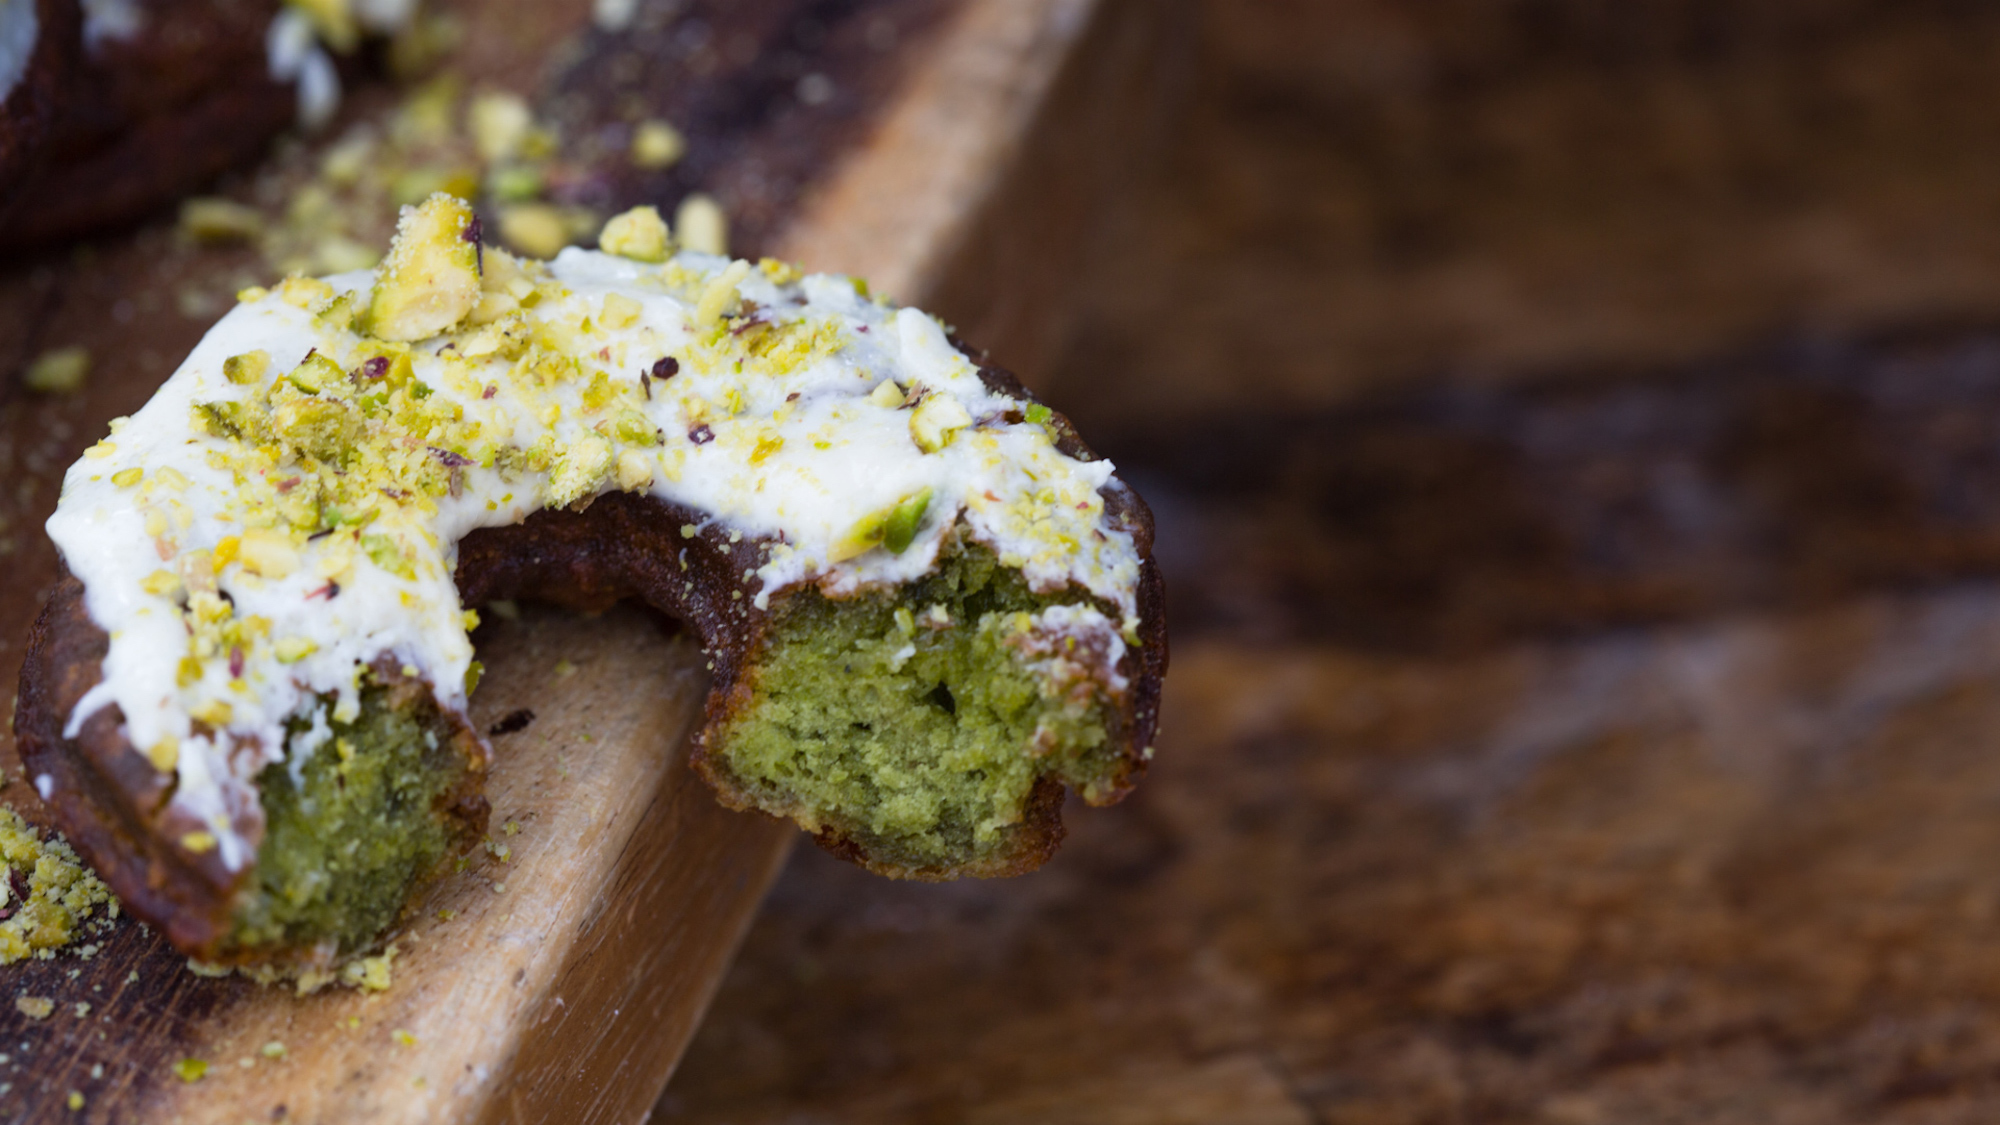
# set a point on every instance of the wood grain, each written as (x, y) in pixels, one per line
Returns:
(1609, 749)
(1738, 871)
(522, 986)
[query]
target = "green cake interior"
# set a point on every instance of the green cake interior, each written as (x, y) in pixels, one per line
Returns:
(904, 720)
(918, 738)
(342, 848)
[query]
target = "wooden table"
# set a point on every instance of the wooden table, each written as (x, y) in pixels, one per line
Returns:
(1571, 427)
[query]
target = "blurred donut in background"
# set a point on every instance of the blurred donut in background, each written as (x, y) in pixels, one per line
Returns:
(164, 96)
(37, 52)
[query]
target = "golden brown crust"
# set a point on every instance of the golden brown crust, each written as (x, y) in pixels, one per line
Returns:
(113, 804)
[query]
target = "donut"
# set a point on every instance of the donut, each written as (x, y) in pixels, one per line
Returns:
(929, 608)
(169, 94)
(37, 54)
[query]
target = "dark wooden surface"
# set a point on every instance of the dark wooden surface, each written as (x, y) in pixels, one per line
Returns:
(1572, 428)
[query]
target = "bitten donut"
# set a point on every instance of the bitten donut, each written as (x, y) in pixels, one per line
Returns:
(929, 607)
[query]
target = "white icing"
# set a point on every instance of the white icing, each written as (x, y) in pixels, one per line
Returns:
(384, 17)
(287, 42)
(293, 53)
(319, 89)
(1076, 644)
(613, 15)
(792, 447)
(111, 21)
(19, 28)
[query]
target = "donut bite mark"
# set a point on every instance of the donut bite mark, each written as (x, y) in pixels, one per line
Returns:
(928, 606)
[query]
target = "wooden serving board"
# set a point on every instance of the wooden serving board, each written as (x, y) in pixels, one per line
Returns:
(563, 982)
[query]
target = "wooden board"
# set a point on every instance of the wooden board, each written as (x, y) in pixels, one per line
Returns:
(1618, 749)
(1740, 871)
(563, 983)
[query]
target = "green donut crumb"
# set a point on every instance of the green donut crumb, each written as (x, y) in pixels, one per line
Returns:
(905, 721)
(341, 850)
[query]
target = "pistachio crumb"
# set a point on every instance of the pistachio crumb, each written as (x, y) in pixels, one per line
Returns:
(214, 221)
(703, 225)
(539, 230)
(58, 371)
(639, 234)
(499, 123)
(657, 144)
(936, 420)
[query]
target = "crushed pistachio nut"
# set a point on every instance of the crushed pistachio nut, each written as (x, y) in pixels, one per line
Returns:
(639, 234)
(656, 144)
(720, 297)
(620, 311)
(58, 371)
(703, 225)
(267, 553)
(430, 280)
(212, 221)
(499, 123)
(635, 470)
(35, 1007)
(539, 230)
(780, 271)
(935, 420)
(893, 528)
(370, 974)
(63, 896)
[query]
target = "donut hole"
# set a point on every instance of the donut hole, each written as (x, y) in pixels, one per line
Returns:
(913, 723)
